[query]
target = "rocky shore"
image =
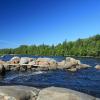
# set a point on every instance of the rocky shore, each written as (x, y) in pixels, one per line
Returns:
(50, 93)
(33, 64)
(18, 92)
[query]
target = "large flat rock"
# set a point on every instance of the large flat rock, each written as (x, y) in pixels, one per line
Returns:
(50, 93)
(18, 93)
(55, 93)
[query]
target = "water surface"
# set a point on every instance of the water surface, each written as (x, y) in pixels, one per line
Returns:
(85, 80)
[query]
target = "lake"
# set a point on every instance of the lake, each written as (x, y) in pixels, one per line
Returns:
(85, 80)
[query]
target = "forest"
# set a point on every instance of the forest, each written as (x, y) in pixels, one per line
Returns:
(81, 47)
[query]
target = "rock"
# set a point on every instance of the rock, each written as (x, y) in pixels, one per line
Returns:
(32, 63)
(97, 67)
(62, 63)
(97, 99)
(2, 70)
(43, 59)
(18, 93)
(15, 68)
(46, 62)
(71, 64)
(72, 60)
(53, 63)
(15, 60)
(25, 60)
(23, 67)
(7, 98)
(68, 63)
(72, 69)
(2, 62)
(43, 63)
(7, 67)
(55, 93)
(80, 66)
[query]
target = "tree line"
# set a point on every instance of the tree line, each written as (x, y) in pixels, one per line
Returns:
(81, 47)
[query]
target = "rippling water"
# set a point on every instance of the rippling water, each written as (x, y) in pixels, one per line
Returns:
(85, 80)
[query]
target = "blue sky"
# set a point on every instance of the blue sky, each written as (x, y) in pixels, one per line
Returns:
(47, 21)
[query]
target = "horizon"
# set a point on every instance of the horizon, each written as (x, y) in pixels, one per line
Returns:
(28, 22)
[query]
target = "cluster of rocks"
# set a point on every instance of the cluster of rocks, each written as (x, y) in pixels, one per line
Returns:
(72, 64)
(26, 63)
(50, 93)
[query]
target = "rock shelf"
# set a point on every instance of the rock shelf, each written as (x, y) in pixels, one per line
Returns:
(50, 93)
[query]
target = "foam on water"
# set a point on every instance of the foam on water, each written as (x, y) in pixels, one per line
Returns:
(12, 75)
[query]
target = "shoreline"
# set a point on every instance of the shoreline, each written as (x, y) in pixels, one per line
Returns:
(50, 56)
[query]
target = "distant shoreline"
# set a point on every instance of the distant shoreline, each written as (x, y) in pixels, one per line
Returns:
(52, 56)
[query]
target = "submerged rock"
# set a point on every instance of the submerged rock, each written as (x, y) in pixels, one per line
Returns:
(55, 93)
(72, 61)
(97, 67)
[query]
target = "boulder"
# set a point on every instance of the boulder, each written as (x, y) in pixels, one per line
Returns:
(97, 67)
(72, 61)
(53, 63)
(46, 62)
(68, 63)
(15, 60)
(18, 93)
(55, 93)
(25, 60)
(71, 64)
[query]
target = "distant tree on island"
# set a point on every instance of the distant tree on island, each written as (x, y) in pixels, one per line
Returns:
(81, 47)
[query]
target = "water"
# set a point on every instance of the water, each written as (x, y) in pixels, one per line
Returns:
(85, 80)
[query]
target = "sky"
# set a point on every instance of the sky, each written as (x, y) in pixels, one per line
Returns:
(27, 22)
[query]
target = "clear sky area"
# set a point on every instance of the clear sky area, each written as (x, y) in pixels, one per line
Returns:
(47, 21)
